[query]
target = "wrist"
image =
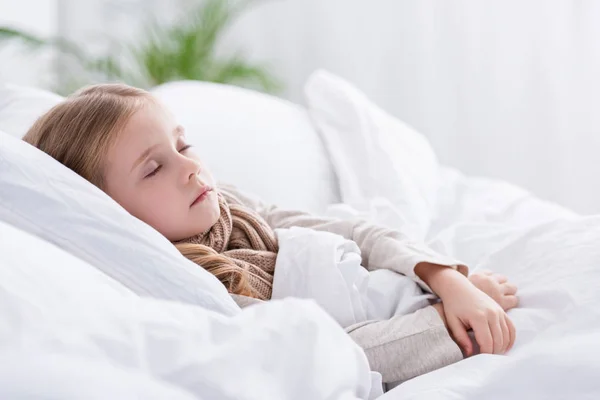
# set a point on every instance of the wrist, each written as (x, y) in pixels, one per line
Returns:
(441, 279)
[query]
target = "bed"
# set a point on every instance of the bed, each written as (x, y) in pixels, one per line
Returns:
(96, 304)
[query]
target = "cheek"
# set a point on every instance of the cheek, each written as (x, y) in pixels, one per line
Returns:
(154, 204)
(160, 208)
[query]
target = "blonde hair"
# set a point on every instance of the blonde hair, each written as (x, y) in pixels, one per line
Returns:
(79, 132)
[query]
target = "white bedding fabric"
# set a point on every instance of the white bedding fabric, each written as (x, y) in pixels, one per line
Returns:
(20, 106)
(68, 331)
(553, 256)
(369, 149)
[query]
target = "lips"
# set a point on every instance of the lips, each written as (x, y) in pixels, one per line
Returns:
(202, 195)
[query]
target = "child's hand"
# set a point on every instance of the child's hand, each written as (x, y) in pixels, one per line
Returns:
(497, 287)
(467, 307)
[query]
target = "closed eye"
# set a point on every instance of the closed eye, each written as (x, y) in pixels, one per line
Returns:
(184, 148)
(154, 172)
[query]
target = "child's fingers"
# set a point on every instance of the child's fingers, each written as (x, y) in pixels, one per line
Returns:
(501, 278)
(509, 288)
(505, 334)
(500, 341)
(460, 335)
(483, 335)
(513, 332)
(509, 302)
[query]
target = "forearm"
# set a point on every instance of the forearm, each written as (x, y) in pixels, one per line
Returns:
(442, 280)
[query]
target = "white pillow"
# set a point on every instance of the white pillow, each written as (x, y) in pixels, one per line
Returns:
(375, 155)
(257, 142)
(260, 143)
(21, 106)
(43, 197)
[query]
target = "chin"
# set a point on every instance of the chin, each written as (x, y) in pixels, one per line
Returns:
(216, 213)
(207, 215)
(212, 214)
(214, 202)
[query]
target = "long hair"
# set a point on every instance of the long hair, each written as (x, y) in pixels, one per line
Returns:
(78, 133)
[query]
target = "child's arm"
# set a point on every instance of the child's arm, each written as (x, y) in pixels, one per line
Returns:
(381, 247)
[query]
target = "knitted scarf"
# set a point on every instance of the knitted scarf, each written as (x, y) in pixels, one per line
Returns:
(245, 237)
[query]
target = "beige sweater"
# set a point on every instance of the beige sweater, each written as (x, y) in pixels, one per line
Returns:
(400, 348)
(381, 248)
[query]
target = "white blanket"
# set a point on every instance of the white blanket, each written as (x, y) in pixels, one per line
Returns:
(327, 268)
(557, 353)
(68, 331)
(553, 256)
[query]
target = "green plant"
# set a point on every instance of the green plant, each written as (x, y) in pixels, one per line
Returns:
(185, 49)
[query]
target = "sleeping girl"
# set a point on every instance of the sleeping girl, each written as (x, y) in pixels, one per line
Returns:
(124, 141)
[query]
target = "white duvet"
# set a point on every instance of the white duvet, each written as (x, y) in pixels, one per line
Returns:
(68, 331)
(553, 256)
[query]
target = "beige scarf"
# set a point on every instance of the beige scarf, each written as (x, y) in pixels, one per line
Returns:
(245, 237)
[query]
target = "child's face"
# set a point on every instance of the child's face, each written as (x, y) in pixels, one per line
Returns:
(153, 174)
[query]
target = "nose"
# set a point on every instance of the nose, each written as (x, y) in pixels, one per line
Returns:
(190, 169)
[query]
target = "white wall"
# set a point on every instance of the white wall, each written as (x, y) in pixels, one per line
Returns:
(35, 16)
(504, 88)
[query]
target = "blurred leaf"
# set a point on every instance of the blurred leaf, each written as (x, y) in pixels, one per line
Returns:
(184, 49)
(31, 41)
(237, 71)
(34, 42)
